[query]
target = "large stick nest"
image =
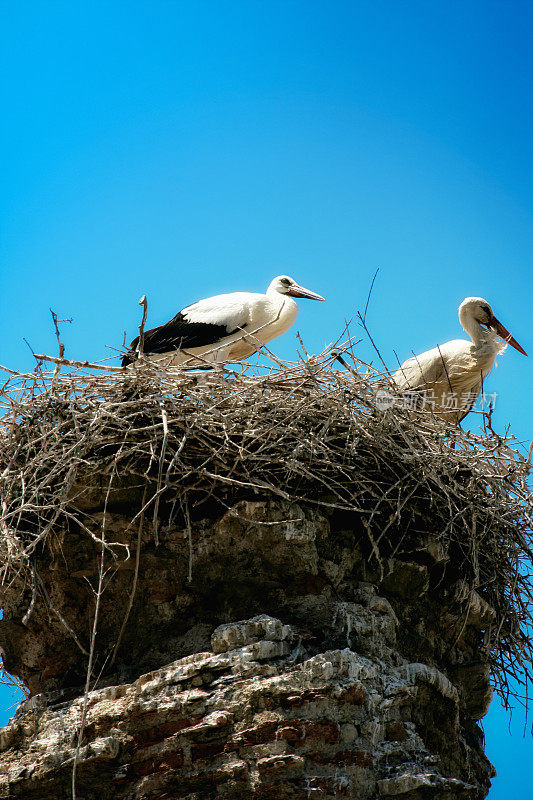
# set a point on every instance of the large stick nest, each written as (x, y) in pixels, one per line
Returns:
(306, 431)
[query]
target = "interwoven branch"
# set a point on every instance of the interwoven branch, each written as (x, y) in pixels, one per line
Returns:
(305, 431)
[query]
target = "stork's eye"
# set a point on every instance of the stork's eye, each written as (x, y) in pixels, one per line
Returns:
(286, 281)
(487, 310)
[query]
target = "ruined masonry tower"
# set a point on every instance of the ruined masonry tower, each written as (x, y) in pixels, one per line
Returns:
(253, 641)
(325, 685)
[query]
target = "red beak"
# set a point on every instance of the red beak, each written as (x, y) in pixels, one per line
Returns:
(504, 333)
(300, 291)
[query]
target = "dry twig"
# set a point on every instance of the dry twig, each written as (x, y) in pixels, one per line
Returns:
(304, 431)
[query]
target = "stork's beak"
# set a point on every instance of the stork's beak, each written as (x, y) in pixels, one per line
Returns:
(299, 291)
(504, 333)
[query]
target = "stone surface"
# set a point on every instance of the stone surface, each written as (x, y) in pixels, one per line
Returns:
(278, 663)
(250, 720)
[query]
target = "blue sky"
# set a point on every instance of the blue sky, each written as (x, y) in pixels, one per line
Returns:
(181, 149)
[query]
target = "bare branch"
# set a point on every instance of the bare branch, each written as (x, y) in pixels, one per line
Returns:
(140, 344)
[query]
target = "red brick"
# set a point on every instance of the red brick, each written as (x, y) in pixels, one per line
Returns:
(162, 730)
(292, 700)
(321, 758)
(260, 734)
(352, 694)
(359, 758)
(298, 730)
(153, 765)
(325, 730)
(207, 750)
(291, 733)
(210, 727)
(236, 771)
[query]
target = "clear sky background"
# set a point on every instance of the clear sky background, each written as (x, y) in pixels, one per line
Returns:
(182, 149)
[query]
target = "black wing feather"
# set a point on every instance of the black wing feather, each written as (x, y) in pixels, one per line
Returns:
(178, 334)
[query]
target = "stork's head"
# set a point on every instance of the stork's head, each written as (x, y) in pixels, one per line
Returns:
(476, 310)
(285, 285)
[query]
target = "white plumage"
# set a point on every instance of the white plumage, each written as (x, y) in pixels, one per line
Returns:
(449, 377)
(226, 327)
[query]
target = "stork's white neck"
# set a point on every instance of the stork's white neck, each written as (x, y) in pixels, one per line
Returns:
(479, 335)
(273, 292)
(280, 298)
(476, 332)
(487, 344)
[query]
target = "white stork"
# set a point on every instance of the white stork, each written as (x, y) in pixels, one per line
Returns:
(226, 327)
(450, 376)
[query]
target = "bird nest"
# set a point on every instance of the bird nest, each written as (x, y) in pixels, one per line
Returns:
(311, 431)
